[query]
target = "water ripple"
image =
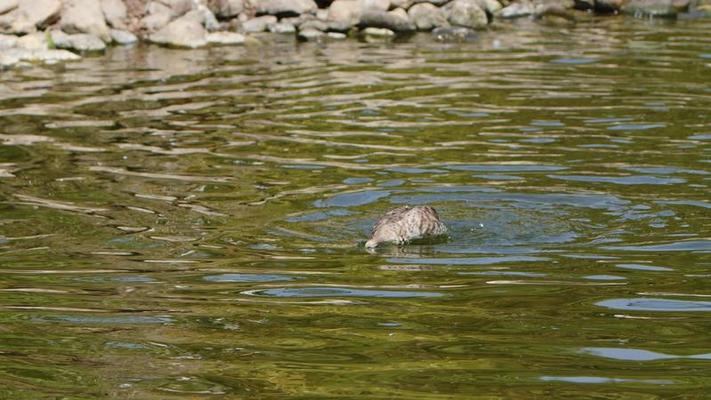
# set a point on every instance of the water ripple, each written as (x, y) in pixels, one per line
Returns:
(655, 304)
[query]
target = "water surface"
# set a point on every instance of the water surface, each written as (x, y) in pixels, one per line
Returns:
(189, 224)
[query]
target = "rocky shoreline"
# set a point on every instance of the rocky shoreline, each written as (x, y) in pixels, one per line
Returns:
(61, 30)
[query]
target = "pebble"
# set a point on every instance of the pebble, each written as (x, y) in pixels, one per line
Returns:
(378, 32)
(225, 38)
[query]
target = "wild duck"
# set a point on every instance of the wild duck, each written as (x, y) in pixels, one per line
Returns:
(404, 224)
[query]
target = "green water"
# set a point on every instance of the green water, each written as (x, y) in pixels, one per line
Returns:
(189, 224)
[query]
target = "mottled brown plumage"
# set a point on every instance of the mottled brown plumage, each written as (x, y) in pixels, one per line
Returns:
(403, 224)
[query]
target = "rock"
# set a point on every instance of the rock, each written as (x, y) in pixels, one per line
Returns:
(225, 38)
(282, 27)
(209, 21)
(158, 16)
(396, 20)
(336, 35)
(467, 13)
(491, 6)
(344, 14)
(650, 8)
(115, 13)
(454, 34)
(322, 14)
(374, 5)
(698, 9)
(296, 21)
(286, 8)
(186, 31)
(259, 24)
(7, 41)
(179, 7)
(33, 41)
(516, 10)
(123, 37)
(31, 15)
(406, 4)
(7, 5)
(16, 55)
(554, 14)
(226, 9)
(314, 24)
(78, 41)
(309, 34)
(426, 16)
(84, 16)
(382, 32)
(8, 59)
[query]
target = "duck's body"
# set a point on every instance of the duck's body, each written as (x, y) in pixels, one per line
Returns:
(403, 224)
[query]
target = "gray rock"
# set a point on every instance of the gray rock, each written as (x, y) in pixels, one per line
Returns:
(651, 8)
(186, 31)
(516, 10)
(31, 15)
(14, 56)
(553, 13)
(7, 41)
(87, 42)
(84, 16)
(123, 37)
(310, 34)
(78, 41)
(314, 24)
(226, 9)
(491, 6)
(296, 21)
(259, 24)
(382, 32)
(426, 16)
(115, 13)
(179, 7)
(8, 59)
(209, 21)
(467, 13)
(396, 20)
(344, 14)
(33, 41)
(406, 4)
(286, 8)
(454, 34)
(322, 14)
(7, 5)
(336, 35)
(223, 37)
(282, 27)
(374, 5)
(158, 16)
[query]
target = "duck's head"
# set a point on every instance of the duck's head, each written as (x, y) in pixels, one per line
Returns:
(372, 243)
(383, 234)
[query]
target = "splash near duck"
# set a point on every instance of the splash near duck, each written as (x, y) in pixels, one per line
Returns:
(405, 224)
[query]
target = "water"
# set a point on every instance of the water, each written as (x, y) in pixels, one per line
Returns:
(189, 224)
